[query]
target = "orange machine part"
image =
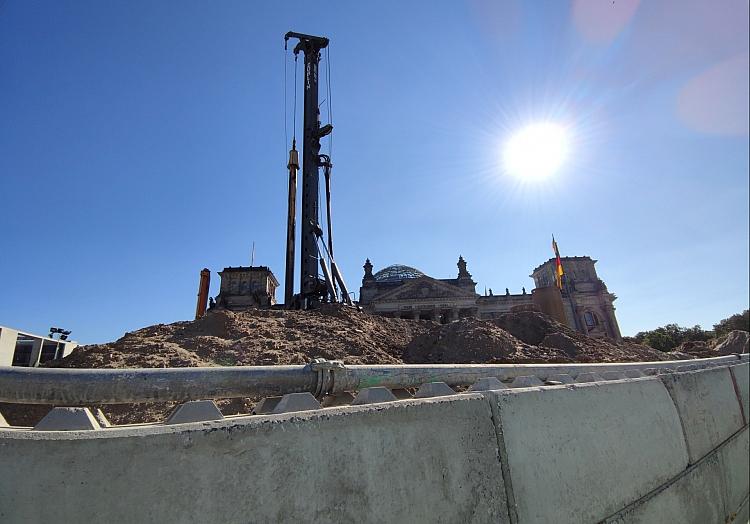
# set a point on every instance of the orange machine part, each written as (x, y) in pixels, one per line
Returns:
(205, 282)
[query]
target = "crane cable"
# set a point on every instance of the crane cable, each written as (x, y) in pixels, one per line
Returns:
(286, 95)
(329, 168)
(294, 118)
(328, 88)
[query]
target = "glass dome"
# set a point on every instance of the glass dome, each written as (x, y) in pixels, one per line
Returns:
(396, 273)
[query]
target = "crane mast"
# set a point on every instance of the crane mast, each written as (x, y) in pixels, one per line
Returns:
(312, 289)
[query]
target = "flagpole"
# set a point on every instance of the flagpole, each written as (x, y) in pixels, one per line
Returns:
(566, 285)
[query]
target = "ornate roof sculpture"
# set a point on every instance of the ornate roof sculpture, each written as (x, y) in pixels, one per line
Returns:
(397, 273)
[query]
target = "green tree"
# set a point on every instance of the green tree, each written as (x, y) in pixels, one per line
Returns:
(669, 337)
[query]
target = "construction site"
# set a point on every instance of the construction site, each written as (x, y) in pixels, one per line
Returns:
(411, 399)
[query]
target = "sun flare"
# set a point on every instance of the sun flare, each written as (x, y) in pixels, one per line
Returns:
(536, 151)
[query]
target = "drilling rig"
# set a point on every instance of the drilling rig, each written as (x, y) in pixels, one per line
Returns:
(313, 289)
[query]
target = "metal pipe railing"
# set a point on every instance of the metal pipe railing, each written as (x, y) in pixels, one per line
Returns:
(353, 378)
(76, 387)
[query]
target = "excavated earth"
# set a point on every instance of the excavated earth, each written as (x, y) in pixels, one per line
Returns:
(274, 337)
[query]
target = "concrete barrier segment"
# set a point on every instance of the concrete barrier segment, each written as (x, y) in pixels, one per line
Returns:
(348, 464)
(296, 402)
(743, 513)
(612, 375)
(434, 389)
(3, 422)
(101, 418)
(344, 398)
(67, 419)
(633, 373)
(695, 497)
(402, 394)
(562, 378)
(266, 405)
(589, 377)
(582, 452)
(526, 381)
(734, 458)
(650, 372)
(194, 411)
(741, 381)
(707, 404)
(487, 384)
(712, 490)
(373, 396)
(687, 367)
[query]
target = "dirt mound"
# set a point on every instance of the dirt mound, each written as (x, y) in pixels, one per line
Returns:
(260, 337)
(537, 329)
(696, 349)
(271, 337)
(735, 342)
(472, 341)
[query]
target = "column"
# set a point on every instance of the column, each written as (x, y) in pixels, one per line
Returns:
(36, 351)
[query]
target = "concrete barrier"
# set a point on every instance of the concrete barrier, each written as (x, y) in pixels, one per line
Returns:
(733, 458)
(713, 490)
(741, 377)
(696, 497)
(708, 406)
(655, 449)
(580, 453)
(433, 460)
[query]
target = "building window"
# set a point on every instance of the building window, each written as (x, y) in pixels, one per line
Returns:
(22, 355)
(591, 319)
(49, 350)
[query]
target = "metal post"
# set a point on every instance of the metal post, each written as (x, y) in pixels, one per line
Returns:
(291, 226)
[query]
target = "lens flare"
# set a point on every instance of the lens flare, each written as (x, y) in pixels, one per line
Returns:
(536, 151)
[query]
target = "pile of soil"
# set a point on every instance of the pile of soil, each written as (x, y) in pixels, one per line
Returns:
(734, 342)
(275, 337)
(537, 329)
(521, 338)
(255, 338)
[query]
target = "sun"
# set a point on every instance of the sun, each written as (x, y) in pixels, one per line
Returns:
(537, 151)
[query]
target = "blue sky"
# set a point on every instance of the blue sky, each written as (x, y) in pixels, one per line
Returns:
(142, 141)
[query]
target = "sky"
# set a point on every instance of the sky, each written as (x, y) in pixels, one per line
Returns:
(142, 141)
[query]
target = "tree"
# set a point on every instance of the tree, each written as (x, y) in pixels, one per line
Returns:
(667, 338)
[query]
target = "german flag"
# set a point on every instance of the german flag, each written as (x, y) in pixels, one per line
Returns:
(558, 264)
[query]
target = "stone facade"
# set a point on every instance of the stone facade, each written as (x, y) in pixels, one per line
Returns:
(584, 304)
(588, 304)
(246, 287)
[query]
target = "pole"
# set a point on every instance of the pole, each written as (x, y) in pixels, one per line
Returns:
(291, 226)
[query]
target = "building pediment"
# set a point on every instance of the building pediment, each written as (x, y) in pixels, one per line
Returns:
(425, 288)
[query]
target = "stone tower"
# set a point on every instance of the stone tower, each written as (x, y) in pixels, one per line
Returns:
(588, 304)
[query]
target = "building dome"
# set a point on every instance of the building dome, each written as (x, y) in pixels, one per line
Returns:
(396, 273)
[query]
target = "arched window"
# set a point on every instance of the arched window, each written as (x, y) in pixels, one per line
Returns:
(592, 320)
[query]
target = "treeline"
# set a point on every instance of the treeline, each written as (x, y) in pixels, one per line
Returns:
(669, 337)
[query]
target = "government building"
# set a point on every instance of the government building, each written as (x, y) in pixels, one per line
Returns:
(584, 303)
